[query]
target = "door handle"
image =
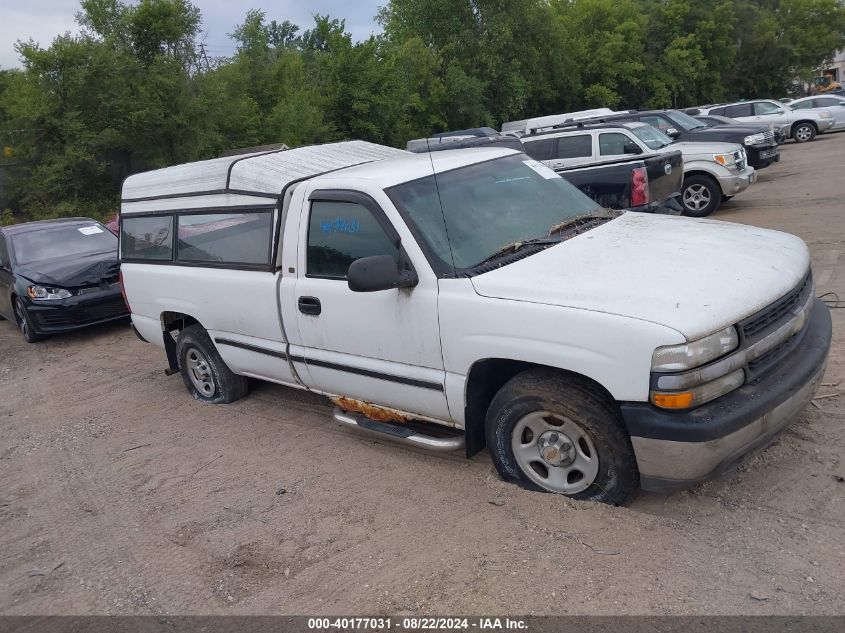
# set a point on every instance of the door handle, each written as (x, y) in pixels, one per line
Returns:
(310, 305)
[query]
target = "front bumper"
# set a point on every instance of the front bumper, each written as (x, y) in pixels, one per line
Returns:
(677, 450)
(760, 156)
(79, 311)
(734, 183)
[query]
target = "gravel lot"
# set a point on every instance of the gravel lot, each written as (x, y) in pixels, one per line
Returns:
(121, 495)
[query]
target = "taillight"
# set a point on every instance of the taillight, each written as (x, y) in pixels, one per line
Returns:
(123, 290)
(639, 187)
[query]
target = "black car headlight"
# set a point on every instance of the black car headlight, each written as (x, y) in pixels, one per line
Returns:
(47, 293)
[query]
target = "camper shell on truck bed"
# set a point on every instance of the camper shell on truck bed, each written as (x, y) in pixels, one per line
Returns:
(473, 298)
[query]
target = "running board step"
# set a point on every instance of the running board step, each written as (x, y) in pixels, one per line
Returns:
(398, 433)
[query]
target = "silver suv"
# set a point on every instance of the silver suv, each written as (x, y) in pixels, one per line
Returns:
(801, 125)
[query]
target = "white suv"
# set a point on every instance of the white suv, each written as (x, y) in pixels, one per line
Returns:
(801, 125)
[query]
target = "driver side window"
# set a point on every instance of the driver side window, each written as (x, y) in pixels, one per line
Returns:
(765, 108)
(4, 253)
(341, 232)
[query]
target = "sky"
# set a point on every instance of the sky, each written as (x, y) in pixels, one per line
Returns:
(42, 20)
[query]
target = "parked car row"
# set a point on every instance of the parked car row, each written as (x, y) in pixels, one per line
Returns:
(605, 153)
(801, 120)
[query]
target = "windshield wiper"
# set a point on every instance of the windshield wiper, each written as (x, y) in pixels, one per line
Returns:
(556, 233)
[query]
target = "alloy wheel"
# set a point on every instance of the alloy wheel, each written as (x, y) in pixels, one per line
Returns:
(696, 197)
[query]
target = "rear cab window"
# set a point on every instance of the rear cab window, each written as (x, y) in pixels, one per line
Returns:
(242, 239)
(147, 238)
(232, 238)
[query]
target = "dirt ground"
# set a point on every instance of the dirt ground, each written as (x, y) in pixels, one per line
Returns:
(119, 494)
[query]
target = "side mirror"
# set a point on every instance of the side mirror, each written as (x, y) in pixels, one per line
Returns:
(379, 272)
(778, 111)
(632, 148)
(673, 132)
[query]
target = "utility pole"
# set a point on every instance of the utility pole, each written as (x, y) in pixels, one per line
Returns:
(204, 58)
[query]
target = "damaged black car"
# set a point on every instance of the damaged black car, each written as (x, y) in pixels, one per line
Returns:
(58, 276)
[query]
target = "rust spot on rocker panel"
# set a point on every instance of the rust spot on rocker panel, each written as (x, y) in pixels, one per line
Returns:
(371, 411)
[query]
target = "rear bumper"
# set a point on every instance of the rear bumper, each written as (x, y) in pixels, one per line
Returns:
(67, 315)
(680, 450)
(670, 206)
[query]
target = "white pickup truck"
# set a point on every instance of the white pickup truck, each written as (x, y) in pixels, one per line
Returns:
(470, 297)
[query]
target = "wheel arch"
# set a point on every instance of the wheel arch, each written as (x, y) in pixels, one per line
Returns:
(172, 323)
(699, 171)
(484, 380)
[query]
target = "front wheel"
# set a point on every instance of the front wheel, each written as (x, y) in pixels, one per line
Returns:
(701, 196)
(560, 434)
(206, 375)
(25, 323)
(804, 132)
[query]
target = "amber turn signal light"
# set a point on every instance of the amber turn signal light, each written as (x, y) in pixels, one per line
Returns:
(681, 400)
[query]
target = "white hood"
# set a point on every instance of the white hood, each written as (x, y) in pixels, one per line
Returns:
(696, 276)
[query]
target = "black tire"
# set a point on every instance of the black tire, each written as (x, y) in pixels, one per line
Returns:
(206, 376)
(25, 323)
(700, 196)
(578, 401)
(804, 132)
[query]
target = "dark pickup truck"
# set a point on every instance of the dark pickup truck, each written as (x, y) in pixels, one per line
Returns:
(760, 145)
(647, 182)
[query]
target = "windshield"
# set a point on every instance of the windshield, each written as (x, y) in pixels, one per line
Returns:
(651, 136)
(486, 207)
(63, 241)
(684, 120)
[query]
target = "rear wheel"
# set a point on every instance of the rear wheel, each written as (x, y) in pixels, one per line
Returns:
(803, 132)
(701, 196)
(561, 434)
(206, 376)
(25, 323)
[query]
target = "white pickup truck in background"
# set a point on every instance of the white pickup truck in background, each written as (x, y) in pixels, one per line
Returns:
(473, 297)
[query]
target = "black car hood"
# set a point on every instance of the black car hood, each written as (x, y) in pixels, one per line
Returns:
(72, 272)
(728, 130)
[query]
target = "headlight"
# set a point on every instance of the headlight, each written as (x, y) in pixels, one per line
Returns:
(700, 394)
(47, 293)
(726, 160)
(693, 388)
(824, 115)
(696, 353)
(754, 139)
